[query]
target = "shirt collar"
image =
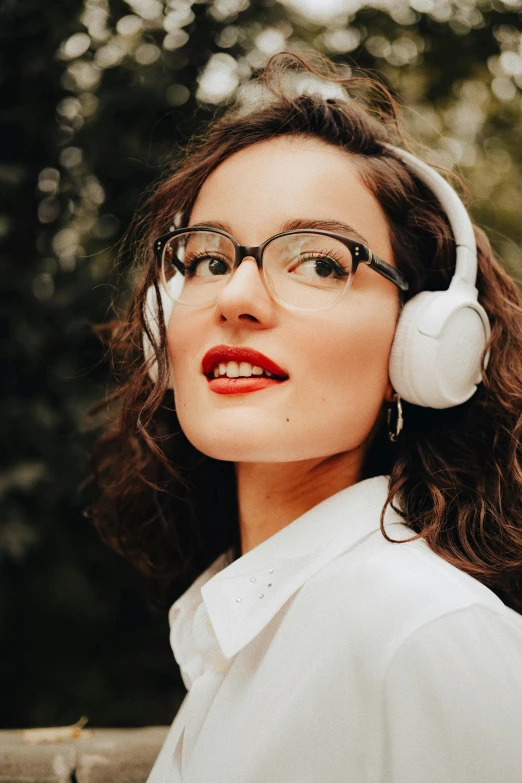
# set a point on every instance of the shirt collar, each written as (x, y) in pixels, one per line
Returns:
(241, 598)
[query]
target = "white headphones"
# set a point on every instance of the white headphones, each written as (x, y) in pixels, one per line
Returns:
(152, 318)
(440, 337)
(437, 350)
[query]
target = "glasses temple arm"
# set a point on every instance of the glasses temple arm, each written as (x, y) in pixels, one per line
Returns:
(388, 271)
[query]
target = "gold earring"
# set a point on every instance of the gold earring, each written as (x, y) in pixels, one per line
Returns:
(394, 433)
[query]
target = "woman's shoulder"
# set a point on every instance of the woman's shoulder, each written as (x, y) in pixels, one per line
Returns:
(410, 569)
(380, 593)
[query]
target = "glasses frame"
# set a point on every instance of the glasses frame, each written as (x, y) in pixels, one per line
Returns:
(361, 254)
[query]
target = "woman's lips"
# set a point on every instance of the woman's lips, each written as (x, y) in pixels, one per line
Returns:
(226, 385)
(222, 354)
(237, 374)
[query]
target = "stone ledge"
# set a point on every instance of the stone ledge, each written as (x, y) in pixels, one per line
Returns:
(97, 756)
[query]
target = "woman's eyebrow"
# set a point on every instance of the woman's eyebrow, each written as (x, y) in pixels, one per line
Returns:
(336, 226)
(296, 224)
(213, 224)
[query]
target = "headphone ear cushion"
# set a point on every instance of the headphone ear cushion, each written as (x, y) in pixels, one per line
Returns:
(152, 318)
(435, 360)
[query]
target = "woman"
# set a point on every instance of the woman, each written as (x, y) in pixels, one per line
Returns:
(324, 632)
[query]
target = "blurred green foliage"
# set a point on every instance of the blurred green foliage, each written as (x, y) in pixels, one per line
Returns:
(96, 96)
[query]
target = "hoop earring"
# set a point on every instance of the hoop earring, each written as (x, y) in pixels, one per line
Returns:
(394, 433)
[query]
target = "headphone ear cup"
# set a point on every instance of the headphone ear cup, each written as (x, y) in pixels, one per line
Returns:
(152, 318)
(437, 351)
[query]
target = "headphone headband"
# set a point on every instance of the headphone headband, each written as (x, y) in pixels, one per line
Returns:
(466, 261)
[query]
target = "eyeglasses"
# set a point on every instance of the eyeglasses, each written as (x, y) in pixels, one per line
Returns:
(308, 269)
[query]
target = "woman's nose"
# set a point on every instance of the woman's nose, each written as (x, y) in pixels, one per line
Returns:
(245, 295)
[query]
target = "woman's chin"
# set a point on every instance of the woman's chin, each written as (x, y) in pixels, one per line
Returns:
(244, 446)
(238, 450)
(236, 436)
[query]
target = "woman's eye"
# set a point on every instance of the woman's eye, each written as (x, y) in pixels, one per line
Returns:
(206, 266)
(318, 267)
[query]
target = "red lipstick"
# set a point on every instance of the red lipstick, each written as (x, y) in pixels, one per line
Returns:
(222, 354)
(226, 385)
(225, 353)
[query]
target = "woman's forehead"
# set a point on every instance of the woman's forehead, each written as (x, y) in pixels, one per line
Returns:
(263, 187)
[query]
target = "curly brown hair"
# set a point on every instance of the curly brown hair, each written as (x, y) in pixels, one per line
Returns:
(456, 474)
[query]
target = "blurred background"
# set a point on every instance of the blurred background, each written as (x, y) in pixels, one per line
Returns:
(96, 97)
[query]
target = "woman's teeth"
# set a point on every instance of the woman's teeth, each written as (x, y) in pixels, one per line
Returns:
(239, 370)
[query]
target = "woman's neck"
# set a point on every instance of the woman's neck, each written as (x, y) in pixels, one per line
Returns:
(271, 495)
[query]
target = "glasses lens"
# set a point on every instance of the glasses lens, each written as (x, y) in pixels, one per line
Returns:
(196, 265)
(307, 271)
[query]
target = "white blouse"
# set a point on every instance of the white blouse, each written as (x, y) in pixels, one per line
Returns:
(329, 655)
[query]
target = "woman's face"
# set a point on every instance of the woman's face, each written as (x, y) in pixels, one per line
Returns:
(336, 360)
